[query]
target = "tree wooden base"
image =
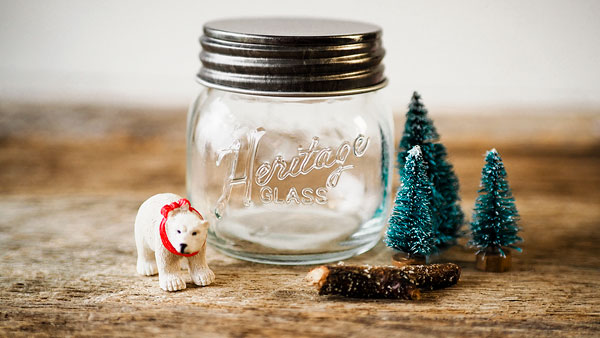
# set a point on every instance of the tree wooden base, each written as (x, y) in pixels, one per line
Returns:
(493, 261)
(402, 259)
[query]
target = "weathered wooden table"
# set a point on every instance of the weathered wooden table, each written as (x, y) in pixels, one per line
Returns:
(72, 179)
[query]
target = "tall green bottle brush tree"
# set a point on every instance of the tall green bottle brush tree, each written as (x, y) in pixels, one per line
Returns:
(447, 215)
(411, 222)
(494, 227)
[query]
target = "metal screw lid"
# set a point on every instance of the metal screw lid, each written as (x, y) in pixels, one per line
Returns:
(292, 56)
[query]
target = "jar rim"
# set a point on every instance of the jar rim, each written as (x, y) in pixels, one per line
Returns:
(354, 91)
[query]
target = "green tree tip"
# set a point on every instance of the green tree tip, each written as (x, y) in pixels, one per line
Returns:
(492, 154)
(493, 158)
(416, 96)
(415, 152)
(416, 104)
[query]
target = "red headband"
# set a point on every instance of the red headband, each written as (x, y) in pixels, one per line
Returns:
(163, 233)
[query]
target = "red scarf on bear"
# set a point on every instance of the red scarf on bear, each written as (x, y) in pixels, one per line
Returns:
(163, 233)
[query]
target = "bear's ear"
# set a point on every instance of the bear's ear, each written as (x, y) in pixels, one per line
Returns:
(204, 224)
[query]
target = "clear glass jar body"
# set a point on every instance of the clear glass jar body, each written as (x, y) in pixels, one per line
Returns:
(290, 180)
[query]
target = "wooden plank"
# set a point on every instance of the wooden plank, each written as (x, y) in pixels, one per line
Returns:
(68, 261)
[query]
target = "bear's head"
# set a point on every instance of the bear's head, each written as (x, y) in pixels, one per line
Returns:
(186, 230)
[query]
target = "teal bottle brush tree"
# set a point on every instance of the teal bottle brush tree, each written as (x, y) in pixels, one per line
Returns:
(494, 228)
(411, 222)
(447, 216)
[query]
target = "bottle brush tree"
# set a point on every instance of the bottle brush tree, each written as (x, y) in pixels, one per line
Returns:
(449, 216)
(419, 130)
(494, 226)
(411, 223)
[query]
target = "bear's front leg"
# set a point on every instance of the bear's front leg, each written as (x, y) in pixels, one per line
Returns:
(199, 271)
(168, 271)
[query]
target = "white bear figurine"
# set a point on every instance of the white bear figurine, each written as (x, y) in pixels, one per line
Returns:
(168, 229)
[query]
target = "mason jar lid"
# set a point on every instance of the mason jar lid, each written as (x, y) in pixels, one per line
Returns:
(292, 56)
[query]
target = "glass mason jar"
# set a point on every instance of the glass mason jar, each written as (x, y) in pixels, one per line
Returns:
(289, 141)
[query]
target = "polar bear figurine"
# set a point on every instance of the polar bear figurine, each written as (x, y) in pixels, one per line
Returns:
(168, 229)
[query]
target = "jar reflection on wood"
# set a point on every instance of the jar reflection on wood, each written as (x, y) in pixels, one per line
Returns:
(290, 143)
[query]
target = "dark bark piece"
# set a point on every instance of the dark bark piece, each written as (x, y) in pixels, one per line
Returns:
(432, 276)
(362, 282)
(382, 281)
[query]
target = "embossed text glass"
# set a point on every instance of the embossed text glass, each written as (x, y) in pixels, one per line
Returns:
(289, 141)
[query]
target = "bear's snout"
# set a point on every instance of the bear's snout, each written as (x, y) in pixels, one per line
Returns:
(183, 246)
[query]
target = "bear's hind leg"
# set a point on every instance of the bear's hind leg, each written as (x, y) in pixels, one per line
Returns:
(146, 262)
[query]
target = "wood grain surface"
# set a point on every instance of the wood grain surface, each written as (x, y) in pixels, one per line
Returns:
(72, 178)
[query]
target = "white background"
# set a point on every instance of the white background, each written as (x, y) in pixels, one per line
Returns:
(458, 54)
